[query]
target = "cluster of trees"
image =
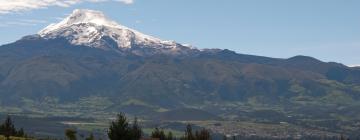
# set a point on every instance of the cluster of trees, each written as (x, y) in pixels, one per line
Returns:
(7, 129)
(71, 134)
(189, 134)
(160, 134)
(203, 134)
(120, 129)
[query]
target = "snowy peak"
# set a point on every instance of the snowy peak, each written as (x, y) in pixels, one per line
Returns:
(80, 16)
(92, 28)
(89, 16)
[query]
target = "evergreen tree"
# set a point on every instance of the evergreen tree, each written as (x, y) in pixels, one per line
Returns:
(136, 132)
(157, 133)
(342, 137)
(203, 135)
(20, 133)
(120, 129)
(169, 136)
(160, 134)
(70, 134)
(188, 133)
(91, 137)
(224, 137)
(199, 135)
(7, 128)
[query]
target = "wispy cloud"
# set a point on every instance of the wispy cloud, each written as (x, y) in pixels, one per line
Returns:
(138, 21)
(126, 1)
(58, 18)
(22, 22)
(10, 6)
(354, 65)
(33, 21)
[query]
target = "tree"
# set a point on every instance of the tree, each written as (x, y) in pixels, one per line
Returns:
(91, 137)
(199, 135)
(169, 136)
(7, 128)
(160, 134)
(70, 134)
(120, 129)
(157, 133)
(224, 137)
(20, 133)
(136, 132)
(203, 135)
(188, 133)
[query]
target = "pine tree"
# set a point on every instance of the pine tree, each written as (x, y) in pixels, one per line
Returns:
(7, 128)
(91, 137)
(188, 133)
(197, 135)
(119, 129)
(20, 133)
(342, 137)
(70, 134)
(202, 135)
(169, 136)
(224, 137)
(136, 132)
(157, 133)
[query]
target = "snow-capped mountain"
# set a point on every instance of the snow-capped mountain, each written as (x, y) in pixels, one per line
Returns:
(92, 28)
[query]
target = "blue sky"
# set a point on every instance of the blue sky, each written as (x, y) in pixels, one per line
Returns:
(325, 29)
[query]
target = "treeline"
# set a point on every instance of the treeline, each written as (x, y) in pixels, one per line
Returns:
(122, 129)
(189, 134)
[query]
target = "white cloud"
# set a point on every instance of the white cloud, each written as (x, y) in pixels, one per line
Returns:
(35, 21)
(22, 22)
(355, 65)
(126, 1)
(59, 18)
(138, 21)
(9, 6)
